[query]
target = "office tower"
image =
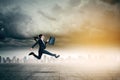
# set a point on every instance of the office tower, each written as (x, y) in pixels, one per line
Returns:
(4, 60)
(18, 60)
(25, 59)
(0, 59)
(8, 60)
(44, 59)
(14, 59)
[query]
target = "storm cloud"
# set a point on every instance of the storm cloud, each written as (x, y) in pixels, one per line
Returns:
(11, 22)
(20, 20)
(46, 16)
(74, 3)
(112, 1)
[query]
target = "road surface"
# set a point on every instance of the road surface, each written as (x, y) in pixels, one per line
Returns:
(49, 72)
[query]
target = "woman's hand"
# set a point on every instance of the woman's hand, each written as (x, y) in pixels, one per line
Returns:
(31, 48)
(47, 40)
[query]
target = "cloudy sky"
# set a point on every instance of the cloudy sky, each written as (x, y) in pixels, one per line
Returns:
(72, 22)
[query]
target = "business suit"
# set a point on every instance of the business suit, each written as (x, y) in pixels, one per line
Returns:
(42, 47)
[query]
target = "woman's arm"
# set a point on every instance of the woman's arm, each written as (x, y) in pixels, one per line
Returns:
(46, 41)
(35, 44)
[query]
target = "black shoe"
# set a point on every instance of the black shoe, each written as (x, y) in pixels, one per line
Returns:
(31, 53)
(57, 56)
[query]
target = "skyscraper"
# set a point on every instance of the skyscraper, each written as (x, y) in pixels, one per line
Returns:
(25, 59)
(14, 60)
(0, 59)
(4, 60)
(8, 60)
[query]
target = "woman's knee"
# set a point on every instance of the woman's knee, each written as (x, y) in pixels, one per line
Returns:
(39, 57)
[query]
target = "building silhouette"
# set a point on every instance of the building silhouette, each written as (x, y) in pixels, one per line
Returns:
(4, 60)
(14, 59)
(0, 59)
(8, 60)
(44, 59)
(17, 60)
(25, 59)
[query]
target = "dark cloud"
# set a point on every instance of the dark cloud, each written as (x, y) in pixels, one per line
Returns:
(112, 1)
(74, 3)
(57, 9)
(11, 22)
(16, 17)
(10, 42)
(46, 16)
(6, 2)
(2, 32)
(14, 23)
(116, 5)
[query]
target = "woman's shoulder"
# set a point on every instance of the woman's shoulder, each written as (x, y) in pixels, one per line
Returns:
(39, 40)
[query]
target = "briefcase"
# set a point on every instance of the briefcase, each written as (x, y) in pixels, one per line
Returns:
(51, 40)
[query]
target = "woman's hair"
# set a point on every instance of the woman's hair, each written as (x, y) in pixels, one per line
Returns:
(37, 37)
(40, 35)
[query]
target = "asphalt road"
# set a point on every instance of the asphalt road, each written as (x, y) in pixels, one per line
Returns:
(49, 72)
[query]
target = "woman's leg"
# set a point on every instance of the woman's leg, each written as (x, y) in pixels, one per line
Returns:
(37, 56)
(48, 53)
(51, 54)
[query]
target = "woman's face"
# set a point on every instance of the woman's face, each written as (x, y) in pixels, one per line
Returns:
(43, 37)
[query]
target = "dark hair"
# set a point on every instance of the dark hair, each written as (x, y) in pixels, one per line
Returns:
(35, 38)
(40, 35)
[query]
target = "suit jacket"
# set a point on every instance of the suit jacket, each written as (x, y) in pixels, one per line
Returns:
(42, 44)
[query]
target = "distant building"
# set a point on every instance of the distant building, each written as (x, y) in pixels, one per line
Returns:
(51, 60)
(0, 59)
(4, 60)
(25, 59)
(18, 60)
(14, 59)
(44, 59)
(8, 60)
